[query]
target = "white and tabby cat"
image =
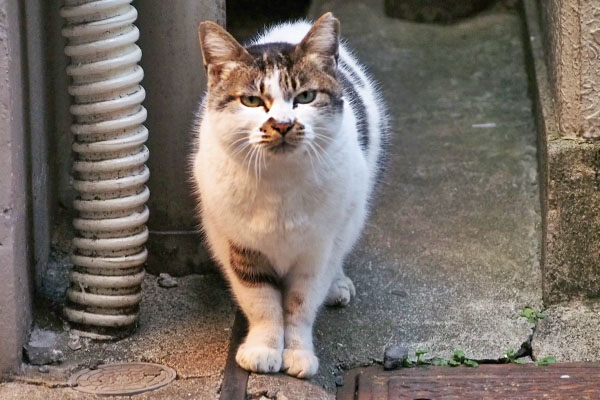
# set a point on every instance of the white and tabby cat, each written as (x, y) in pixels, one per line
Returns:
(288, 146)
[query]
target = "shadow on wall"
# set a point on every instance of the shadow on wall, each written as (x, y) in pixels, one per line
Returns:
(246, 17)
(439, 11)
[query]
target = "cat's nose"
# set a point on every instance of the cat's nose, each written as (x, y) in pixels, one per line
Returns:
(281, 127)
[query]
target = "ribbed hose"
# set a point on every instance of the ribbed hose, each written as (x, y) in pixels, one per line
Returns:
(109, 170)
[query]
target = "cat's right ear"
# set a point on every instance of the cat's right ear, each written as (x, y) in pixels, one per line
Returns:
(219, 49)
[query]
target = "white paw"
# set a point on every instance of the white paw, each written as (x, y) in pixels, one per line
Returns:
(300, 363)
(340, 292)
(258, 358)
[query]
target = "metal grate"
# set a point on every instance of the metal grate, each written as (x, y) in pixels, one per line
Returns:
(122, 379)
(505, 381)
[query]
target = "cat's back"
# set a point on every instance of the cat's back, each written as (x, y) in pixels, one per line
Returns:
(360, 90)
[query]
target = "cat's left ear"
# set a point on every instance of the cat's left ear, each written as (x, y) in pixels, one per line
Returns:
(322, 41)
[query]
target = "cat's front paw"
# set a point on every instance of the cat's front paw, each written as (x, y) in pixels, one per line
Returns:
(340, 292)
(300, 363)
(257, 358)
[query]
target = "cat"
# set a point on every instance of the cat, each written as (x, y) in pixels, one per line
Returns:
(289, 141)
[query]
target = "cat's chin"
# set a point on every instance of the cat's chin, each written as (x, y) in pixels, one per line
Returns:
(282, 148)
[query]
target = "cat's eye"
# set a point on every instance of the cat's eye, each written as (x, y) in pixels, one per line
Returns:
(251, 101)
(305, 97)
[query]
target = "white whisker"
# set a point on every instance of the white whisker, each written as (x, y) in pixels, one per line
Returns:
(312, 164)
(235, 142)
(240, 148)
(325, 154)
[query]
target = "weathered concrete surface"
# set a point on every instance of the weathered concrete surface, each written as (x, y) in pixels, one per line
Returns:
(188, 388)
(570, 191)
(451, 254)
(286, 387)
(186, 327)
(174, 81)
(570, 332)
(15, 279)
(572, 34)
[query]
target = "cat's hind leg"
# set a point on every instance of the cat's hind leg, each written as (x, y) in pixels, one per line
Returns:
(342, 289)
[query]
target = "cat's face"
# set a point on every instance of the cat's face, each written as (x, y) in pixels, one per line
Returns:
(274, 100)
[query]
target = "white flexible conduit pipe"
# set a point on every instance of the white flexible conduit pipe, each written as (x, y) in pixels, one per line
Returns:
(109, 169)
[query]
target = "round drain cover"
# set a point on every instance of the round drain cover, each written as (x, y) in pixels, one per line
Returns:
(122, 379)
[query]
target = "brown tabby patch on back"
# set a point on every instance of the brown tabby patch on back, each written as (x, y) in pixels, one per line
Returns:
(251, 267)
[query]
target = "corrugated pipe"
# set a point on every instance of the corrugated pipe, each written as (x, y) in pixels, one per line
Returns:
(109, 170)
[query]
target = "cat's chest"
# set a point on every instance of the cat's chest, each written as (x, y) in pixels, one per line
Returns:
(276, 210)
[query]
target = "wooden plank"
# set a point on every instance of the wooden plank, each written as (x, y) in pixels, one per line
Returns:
(489, 381)
(235, 379)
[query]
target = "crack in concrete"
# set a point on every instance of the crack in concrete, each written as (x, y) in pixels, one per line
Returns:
(38, 382)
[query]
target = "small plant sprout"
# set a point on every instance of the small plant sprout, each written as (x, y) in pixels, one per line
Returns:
(546, 361)
(419, 353)
(459, 358)
(511, 357)
(532, 315)
(440, 362)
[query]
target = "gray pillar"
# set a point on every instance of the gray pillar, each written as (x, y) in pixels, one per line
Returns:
(15, 284)
(174, 81)
(567, 101)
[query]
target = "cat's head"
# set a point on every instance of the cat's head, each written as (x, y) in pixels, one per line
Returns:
(278, 99)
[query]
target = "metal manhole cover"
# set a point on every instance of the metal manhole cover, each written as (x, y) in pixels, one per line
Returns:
(122, 379)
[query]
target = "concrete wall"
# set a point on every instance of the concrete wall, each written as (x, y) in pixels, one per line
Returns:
(15, 282)
(563, 58)
(174, 81)
(572, 36)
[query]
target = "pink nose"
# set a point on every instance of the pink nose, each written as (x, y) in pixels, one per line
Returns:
(281, 127)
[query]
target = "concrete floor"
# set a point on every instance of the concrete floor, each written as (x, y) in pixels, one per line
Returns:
(450, 256)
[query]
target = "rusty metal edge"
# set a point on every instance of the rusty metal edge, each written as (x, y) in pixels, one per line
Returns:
(235, 379)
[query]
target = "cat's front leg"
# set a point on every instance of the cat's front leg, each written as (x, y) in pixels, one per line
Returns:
(256, 291)
(305, 291)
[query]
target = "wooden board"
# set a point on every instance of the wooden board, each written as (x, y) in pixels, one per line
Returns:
(489, 381)
(235, 379)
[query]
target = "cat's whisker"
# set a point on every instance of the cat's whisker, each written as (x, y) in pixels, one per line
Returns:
(265, 159)
(241, 148)
(234, 143)
(321, 131)
(252, 154)
(325, 154)
(317, 133)
(257, 164)
(248, 156)
(312, 164)
(312, 146)
(327, 139)
(237, 132)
